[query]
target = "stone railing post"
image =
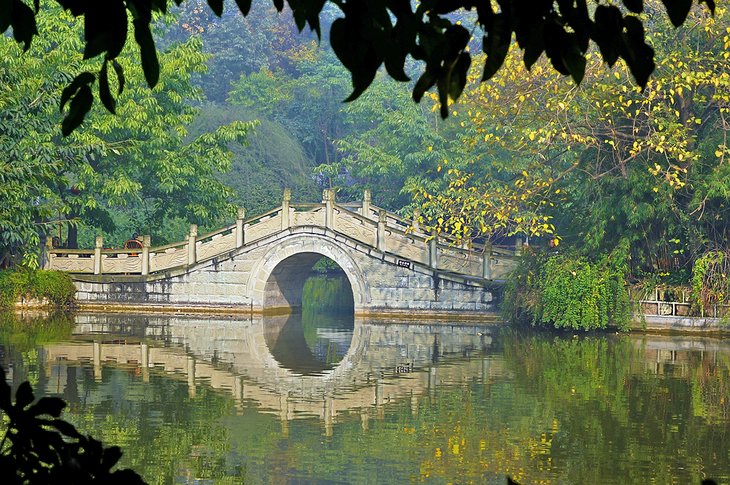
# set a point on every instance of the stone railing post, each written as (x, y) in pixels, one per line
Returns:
(366, 200)
(240, 239)
(518, 247)
(416, 216)
(192, 239)
(97, 254)
(328, 198)
(433, 255)
(382, 217)
(146, 243)
(96, 358)
(487, 262)
(285, 209)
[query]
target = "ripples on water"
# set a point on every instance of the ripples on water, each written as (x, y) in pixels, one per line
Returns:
(323, 399)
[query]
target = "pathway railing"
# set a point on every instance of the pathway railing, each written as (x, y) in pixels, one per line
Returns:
(676, 301)
(361, 222)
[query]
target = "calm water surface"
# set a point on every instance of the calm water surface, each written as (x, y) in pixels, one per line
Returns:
(337, 400)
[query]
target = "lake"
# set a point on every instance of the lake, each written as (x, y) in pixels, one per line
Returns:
(323, 398)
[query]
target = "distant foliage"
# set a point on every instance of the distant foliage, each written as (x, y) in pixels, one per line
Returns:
(39, 448)
(567, 291)
(710, 282)
(54, 286)
(327, 294)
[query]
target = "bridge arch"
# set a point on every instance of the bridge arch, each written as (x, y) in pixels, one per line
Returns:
(277, 279)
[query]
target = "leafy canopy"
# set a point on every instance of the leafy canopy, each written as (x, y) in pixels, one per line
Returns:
(114, 175)
(370, 34)
(601, 161)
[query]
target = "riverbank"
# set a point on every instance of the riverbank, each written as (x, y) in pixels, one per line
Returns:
(681, 324)
(233, 311)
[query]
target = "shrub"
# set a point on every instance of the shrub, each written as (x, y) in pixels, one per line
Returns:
(11, 284)
(570, 291)
(54, 286)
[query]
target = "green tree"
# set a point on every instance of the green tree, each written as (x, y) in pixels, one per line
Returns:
(604, 161)
(271, 160)
(388, 142)
(147, 166)
(305, 98)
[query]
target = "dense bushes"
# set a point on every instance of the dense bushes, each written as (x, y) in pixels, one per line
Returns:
(54, 287)
(570, 291)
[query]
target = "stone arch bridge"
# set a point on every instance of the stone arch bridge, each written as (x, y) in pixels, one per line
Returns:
(260, 264)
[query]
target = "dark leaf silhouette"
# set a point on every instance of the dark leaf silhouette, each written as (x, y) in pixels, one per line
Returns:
(38, 450)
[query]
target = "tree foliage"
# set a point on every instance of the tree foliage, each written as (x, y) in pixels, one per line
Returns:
(602, 161)
(138, 163)
(571, 291)
(385, 145)
(710, 285)
(368, 35)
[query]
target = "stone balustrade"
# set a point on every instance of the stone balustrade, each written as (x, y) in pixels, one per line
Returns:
(360, 223)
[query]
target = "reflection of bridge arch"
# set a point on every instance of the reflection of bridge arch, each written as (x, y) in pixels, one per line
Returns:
(288, 344)
(232, 355)
(277, 279)
(252, 357)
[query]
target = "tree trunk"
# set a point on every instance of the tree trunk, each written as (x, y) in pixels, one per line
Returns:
(73, 237)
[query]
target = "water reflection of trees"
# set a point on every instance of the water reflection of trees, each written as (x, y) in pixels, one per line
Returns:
(627, 409)
(537, 407)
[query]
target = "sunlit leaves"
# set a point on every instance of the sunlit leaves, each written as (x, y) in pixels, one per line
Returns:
(626, 161)
(490, 208)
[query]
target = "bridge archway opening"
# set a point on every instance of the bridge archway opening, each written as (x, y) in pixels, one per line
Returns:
(308, 282)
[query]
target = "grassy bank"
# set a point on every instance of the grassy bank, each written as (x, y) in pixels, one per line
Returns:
(51, 287)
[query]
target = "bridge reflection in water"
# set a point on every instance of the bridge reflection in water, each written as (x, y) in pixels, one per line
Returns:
(281, 364)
